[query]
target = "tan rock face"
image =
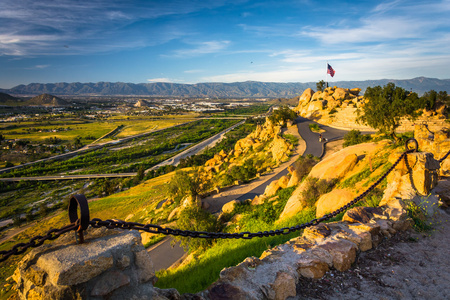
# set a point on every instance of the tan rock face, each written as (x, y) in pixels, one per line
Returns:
(279, 148)
(284, 286)
(436, 142)
(276, 185)
(415, 178)
(339, 170)
(99, 267)
(306, 96)
(311, 266)
(295, 203)
(228, 207)
(343, 253)
(333, 200)
(340, 93)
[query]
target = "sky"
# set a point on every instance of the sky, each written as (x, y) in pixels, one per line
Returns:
(192, 41)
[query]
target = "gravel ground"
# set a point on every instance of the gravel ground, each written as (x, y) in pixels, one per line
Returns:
(410, 265)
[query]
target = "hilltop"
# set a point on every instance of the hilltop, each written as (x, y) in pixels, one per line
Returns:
(247, 89)
(47, 100)
(6, 99)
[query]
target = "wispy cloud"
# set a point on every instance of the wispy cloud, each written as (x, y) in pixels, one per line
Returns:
(201, 48)
(29, 27)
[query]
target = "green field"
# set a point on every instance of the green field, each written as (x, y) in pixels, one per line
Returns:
(68, 129)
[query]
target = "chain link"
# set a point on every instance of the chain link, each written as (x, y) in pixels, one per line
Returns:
(156, 229)
(37, 241)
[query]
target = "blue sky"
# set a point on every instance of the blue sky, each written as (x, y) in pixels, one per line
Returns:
(188, 41)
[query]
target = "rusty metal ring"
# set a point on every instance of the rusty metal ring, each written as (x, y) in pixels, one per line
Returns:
(81, 202)
(416, 145)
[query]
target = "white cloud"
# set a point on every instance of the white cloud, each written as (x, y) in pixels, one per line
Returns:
(202, 48)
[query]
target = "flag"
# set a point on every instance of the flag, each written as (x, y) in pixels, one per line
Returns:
(330, 70)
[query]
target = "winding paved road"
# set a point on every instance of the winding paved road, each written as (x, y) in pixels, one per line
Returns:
(313, 146)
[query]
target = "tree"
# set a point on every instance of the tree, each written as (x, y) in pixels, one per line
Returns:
(320, 85)
(184, 184)
(195, 218)
(283, 114)
(386, 106)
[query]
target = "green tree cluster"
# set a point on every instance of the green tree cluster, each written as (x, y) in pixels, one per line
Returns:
(282, 115)
(184, 184)
(320, 85)
(386, 106)
(195, 218)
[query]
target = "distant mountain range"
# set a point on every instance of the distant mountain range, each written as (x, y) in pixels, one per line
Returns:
(247, 89)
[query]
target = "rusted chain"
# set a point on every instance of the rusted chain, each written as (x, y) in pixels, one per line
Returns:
(81, 224)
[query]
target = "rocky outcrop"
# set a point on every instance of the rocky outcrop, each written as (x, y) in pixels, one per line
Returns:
(338, 107)
(319, 249)
(319, 104)
(110, 264)
(436, 141)
(413, 179)
(333, 200)
(334, 167)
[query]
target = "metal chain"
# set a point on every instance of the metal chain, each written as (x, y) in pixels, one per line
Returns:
(445, 156)
(37, 241)
(81, 223)
(96, 223)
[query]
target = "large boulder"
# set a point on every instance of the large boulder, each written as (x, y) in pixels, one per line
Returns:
(306, 96)
(229, 207)
(276, 185)
(279, 148)
(110, 264)
(437, 142)
(333, 200)
(340, 93)
(415, 177)
(340, 168)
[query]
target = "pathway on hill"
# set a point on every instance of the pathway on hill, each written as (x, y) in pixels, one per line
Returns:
(313, 146)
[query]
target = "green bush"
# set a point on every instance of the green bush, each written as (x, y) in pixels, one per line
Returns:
(195, 218)
(354, 137)
(304, 165)
(314, 127)
(315, 188)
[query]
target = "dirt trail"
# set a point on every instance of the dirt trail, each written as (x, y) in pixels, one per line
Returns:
(410, 265)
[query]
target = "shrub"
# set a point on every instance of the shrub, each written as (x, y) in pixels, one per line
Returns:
(419, 216)
(314, 127)
(354, 137)
(315, 188)
(195, 218)
(305, 164)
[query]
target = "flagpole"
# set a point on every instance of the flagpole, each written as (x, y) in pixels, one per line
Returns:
(327, 74)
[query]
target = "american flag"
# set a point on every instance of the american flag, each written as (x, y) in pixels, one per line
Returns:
(330, 70)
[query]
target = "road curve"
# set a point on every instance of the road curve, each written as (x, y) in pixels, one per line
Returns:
(313, 146)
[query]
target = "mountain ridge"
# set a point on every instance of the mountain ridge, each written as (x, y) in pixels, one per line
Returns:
(251, 89)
